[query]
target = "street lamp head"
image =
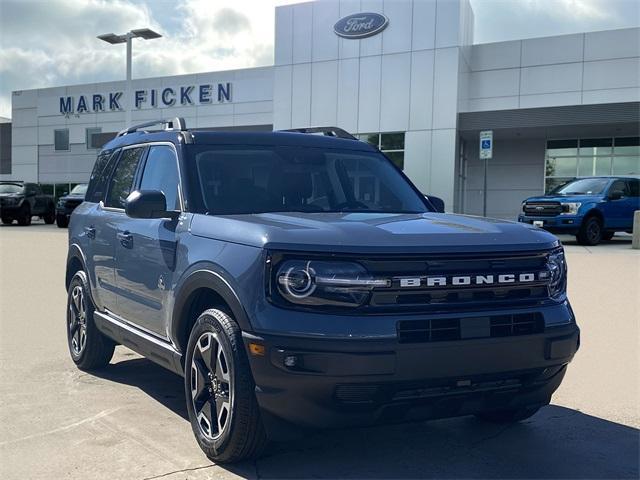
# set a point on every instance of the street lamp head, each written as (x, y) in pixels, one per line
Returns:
(145, 33)
(113, 38)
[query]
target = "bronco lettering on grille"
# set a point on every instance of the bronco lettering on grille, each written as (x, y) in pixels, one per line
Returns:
(461, 280)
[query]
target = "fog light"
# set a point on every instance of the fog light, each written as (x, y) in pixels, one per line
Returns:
(290, 361)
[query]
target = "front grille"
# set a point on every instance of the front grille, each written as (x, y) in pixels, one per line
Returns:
(542, 209)
(462, 297)
(451, 329)
(72, 203)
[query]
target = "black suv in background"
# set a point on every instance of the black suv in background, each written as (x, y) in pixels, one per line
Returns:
(22, 200)
(67, 204)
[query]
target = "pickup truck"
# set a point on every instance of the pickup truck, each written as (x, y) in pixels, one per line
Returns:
(591, 208)
(22, 200)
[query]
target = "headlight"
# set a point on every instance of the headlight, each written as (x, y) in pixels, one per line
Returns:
(557, 267)
(570, 208)
(522, 207)
(316, 283)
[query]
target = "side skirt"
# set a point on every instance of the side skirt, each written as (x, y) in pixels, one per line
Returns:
(153, 348)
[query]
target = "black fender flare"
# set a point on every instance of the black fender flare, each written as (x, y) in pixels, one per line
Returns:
(205, 277)
(74, 253)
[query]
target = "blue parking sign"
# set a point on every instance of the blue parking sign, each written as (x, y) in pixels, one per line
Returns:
(486, 144)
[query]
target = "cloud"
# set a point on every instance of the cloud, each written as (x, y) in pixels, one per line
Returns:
(53, 43)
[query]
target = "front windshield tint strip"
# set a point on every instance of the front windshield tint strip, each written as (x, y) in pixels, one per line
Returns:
(567, 159)
(234, 180)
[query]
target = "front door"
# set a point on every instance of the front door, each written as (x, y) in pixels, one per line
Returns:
(146, 248)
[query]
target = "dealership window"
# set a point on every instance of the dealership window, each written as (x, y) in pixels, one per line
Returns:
(100, 138)
(61, 139)
(567, 159)
(91, 134)
(391, 144)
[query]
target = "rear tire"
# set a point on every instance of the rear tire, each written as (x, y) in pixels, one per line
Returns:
(25, 215)
(220, 391)
(89, 348)
(590, 232)
(62, 221)
(608, 235)
(510, 415)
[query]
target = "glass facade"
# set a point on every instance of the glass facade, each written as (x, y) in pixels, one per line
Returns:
(585, 157)
(391, 144)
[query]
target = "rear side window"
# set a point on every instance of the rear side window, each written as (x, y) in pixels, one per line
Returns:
(161, 173)
(122, 178)
(634, 188)
(100, 175)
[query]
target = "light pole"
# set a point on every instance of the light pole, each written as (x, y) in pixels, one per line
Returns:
(112, 38)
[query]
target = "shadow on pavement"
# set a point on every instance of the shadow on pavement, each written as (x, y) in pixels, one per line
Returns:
(556, 443)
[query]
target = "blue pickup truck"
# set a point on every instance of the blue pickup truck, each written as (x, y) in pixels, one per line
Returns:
(593, 209)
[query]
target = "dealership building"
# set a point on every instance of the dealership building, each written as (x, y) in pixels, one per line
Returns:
(402, 74)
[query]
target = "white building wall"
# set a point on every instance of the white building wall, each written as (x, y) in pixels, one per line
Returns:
(37, 115)
(402, 80)
(586, 68)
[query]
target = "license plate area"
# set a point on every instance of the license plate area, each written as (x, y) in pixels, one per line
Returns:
(538, 223)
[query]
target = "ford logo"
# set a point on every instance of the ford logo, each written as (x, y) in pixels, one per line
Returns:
(360, 25)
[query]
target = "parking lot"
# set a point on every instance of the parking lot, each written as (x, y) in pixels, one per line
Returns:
(129, 420)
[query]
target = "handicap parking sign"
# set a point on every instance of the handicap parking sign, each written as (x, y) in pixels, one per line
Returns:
(486, 144)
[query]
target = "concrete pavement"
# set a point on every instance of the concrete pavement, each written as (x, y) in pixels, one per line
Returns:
(129, 420)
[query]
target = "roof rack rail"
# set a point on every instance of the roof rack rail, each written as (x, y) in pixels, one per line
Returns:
(326, 131)
(176, 123)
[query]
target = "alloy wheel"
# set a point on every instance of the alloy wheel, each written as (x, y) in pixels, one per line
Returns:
(77, 320)
(211, 386)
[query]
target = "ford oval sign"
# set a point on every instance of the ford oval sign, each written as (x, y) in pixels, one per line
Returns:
(360, 25)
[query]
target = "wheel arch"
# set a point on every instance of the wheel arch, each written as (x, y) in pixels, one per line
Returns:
(594, 212)
(75, 262)
(201, 290)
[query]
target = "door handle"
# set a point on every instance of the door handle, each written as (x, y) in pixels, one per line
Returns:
(90, 231)
(126, 239)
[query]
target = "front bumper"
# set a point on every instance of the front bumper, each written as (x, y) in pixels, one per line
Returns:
(10, 210)
(559, 224)
(339, 383)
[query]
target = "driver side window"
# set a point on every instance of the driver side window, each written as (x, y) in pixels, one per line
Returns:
(619, 185)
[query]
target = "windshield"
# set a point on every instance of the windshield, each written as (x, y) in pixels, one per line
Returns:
(261, 179)
(584, 186)
(80, 189)
(11, 188)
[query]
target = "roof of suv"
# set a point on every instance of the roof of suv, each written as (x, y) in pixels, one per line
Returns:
(204, 137)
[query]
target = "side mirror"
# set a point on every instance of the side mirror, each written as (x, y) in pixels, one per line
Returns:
(436, 203)
(147, 204)
(616, 194)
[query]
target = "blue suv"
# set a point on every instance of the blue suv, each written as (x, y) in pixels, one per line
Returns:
(301, 281)
(593, 209)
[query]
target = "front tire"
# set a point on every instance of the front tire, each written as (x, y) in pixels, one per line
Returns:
(510, 415)
(50, 216)
(219, 390)
(25, 215)
(590, 231)
(89, 348)
(62, 221)
(7, 220)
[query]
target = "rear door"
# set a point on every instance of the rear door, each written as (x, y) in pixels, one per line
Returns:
(632, 202)
(90, 225)
(146, 250)
(109, 216)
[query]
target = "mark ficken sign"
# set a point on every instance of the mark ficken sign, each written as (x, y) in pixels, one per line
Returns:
(205, 94)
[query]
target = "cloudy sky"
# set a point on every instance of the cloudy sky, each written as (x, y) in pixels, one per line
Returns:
(52, 42)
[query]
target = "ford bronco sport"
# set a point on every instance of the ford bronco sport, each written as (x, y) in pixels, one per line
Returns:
(300, 280)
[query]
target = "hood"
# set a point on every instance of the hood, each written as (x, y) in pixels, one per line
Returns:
(566, 198)
(373, 232)
(73, 197)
